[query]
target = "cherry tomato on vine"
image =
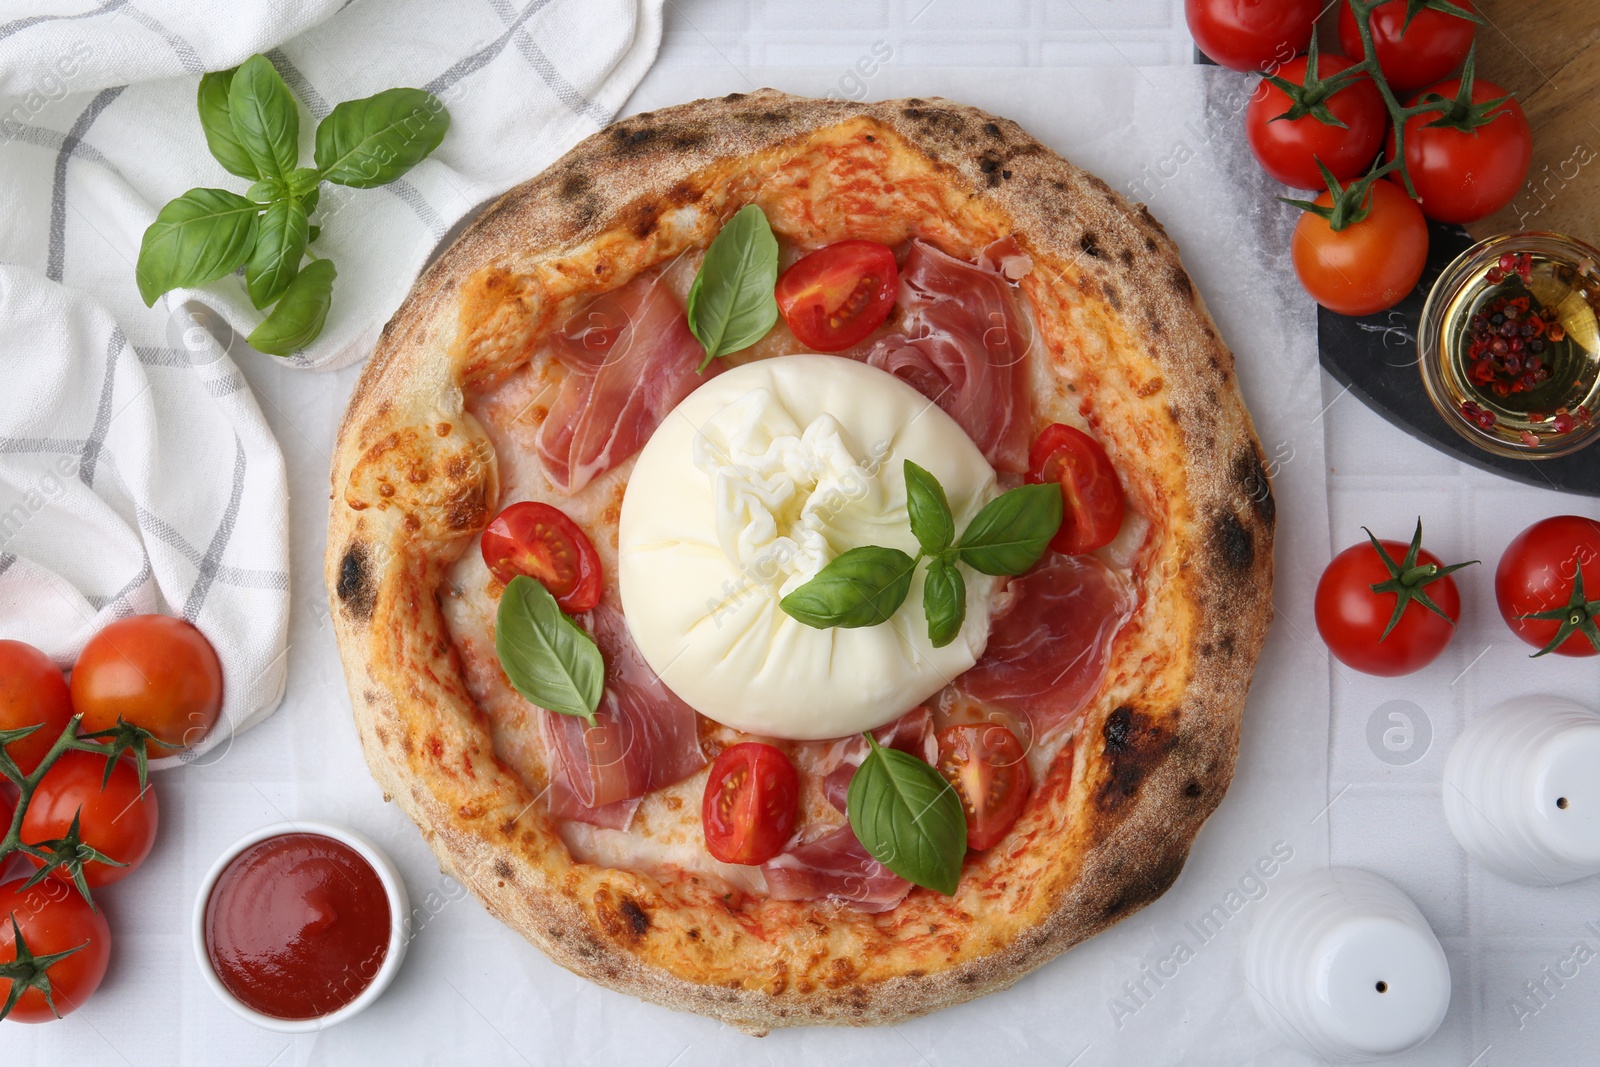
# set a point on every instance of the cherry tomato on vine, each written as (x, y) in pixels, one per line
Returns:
(1090, 490)
(52, 919)
(153, 671)
(1289, 148)
(1369, 265)
(1430, 49)
(988, 767)
(1465, 175)
(837, 295)
(117, 819)
(751, 803)
(33, 692)
(1552, 570)
(1251, 35)
(1389, 610)
(539, 541)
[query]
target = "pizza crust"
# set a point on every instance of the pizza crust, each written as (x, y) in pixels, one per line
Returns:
(1126, 343)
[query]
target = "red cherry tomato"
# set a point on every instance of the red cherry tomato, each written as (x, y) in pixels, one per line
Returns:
(751, 804)
(33, 692)
(117, 819)
(838, 294)
(1369, 265)
(1538, 573)
(1251, 35)
(153, 671)
(53, 918)
(1090, 490)
(1351, 618)
(989, 768)
(1433, 47)
(1288, 149)
(1460, 176)
(539, 541)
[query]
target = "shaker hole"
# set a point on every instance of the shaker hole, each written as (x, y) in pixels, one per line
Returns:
(1383, 987)
(1561, 802)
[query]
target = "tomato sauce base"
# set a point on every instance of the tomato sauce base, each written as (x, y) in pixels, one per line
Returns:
(297, 926)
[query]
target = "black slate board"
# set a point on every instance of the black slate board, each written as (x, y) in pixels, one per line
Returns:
(1376, 356)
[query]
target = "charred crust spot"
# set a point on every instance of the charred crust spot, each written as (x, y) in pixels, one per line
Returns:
(1139, 891)
(1134, 745)
(355, 582)
(1252, 478)
(637, 917)
(694, 934)
(1193, 789)
(1234, 542)
(1090, 246)
(574, 186)
(632, 140)
(1006, 174)
(502, 870)
(1149, 244)
(1178, 279)
(1113, 297)
(991, 129)
(989, 163)
(1126, 256)
(760, 118)
(642, 218)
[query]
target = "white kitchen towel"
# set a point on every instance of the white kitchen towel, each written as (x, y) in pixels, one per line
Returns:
(136, 471)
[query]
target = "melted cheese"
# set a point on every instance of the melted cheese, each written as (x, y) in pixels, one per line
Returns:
(753, 484)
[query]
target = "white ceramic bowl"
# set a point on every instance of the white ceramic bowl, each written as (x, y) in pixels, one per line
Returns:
(399, 907)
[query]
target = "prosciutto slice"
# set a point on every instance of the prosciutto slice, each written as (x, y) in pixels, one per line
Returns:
(1049, 648)
(964, 345)
(630, 359)
(911, 733)
(836, 868)
(645, 738)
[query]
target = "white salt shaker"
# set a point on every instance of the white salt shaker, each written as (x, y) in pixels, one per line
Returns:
(1342, 964)
(1522, 790)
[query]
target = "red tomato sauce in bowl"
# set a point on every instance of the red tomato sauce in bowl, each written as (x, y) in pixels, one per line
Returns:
(297, 926)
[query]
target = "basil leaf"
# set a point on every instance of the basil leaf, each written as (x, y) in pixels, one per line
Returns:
(280, 242)
(548, 659)
(303, 181)
(373, 141)
(908, 818)
(861, 587)
(265, 117)
(731, 305)
(300, 313)
(931, 522)
(267, 190)
(1012, 531)
(197, 238)
(313, 233)
(944, 601)
(212, 100)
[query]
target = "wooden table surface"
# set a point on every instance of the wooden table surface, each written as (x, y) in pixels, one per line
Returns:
(1548, 53)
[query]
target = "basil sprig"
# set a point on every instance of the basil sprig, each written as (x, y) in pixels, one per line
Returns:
(252, 126)
(731, 305)
(865, 586)
(908, 818)
(547, 657)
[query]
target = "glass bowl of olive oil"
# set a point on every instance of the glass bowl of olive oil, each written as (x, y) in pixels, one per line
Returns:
(1509, 345)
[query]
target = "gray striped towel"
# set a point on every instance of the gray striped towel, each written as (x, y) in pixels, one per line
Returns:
(136, 471)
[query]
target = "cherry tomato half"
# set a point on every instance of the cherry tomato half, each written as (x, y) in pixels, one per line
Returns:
(117, 820)
(1461, 176)
(154, 671)
(541, 542)
(1369, 265)
(1538, 573)
(33, 692)
(1090, 490)
(751, 803)
(989, 768)
(1251, 35)
(1432, 47)
(835, 296)
(1351, 618)
(53, 918)
(1288, 149)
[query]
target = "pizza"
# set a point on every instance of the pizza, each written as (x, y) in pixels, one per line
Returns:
(803, 562)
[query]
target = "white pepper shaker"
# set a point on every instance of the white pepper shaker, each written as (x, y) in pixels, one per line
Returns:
(1522, 790)
(1341, 963)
